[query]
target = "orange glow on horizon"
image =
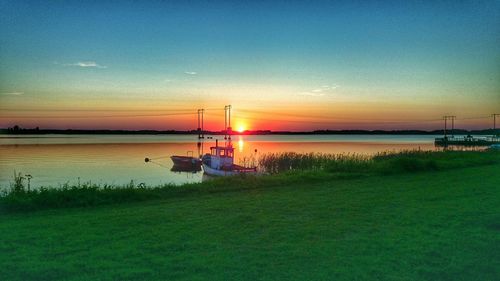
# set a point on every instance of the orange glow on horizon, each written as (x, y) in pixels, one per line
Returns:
(286, 117)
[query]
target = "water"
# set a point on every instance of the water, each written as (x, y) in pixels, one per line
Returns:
(54, 160)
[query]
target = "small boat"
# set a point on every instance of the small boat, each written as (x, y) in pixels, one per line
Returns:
(187, 162)
(220, 162)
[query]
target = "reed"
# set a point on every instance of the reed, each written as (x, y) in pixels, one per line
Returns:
(387, 162)
(18, 184)
(285, 161)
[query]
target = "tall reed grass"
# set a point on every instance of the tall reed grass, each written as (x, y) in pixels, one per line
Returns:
(387, 162)
(285, 161)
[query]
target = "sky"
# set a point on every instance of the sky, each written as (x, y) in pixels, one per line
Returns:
(282, 65)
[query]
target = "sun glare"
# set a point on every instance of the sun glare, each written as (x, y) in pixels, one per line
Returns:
(241, 128)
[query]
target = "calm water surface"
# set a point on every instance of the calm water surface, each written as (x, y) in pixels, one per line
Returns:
(54, 160)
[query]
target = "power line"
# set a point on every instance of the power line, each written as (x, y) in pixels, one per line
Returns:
(473, 118)
(93, 110)
(332, 120)
(98, 116)
(334, 117)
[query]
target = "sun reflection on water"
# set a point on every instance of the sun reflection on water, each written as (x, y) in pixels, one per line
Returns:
(240, 144)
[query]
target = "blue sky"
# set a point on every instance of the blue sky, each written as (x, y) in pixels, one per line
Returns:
(335, 57)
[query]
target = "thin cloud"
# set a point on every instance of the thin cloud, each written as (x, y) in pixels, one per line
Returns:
(190, 72)
(325, 88)
(12, 94)
(312, 94)
(320, 92)
(85, 64)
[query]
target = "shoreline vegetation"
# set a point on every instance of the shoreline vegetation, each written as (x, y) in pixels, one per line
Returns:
(278, 169)
(16, 130)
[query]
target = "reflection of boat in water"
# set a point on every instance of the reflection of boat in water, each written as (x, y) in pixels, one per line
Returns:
(189, 169)
(220, 162)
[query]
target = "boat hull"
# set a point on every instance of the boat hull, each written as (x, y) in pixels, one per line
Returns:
(186, 161)
(236, 170)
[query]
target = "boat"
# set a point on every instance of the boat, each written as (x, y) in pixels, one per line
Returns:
(467, 141)
(220, 162)
(186, 162)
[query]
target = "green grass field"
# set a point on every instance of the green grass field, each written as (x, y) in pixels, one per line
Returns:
(433, 225)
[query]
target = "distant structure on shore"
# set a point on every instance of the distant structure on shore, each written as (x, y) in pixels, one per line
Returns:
(467, 139)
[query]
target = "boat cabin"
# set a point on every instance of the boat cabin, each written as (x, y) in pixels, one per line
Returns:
(221, 157)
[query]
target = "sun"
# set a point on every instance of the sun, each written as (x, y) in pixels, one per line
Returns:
(241, 128)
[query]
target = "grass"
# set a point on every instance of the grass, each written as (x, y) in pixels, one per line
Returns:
(438, 225)
(288, 168)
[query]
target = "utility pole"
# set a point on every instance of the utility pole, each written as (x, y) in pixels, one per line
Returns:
(229, 127)
(227, 122)
(201, 130)
(495, 123)
(452, 125)
(202, 123)
(199, 124)
(446, 124)
(445, 118)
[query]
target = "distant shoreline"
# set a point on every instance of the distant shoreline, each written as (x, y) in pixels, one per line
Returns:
(20, 131)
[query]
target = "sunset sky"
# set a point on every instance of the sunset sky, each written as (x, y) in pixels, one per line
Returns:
(282, 65)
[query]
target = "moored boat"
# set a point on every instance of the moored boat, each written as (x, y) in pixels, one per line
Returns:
(186, 161)
(220, 162)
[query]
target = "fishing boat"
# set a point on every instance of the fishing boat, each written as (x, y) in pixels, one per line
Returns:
(220, 162)
(186, 162)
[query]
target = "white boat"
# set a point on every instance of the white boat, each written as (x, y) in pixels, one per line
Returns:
(220, 162)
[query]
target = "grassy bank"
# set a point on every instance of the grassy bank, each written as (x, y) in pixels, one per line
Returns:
(439, 225)
(287, 168)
